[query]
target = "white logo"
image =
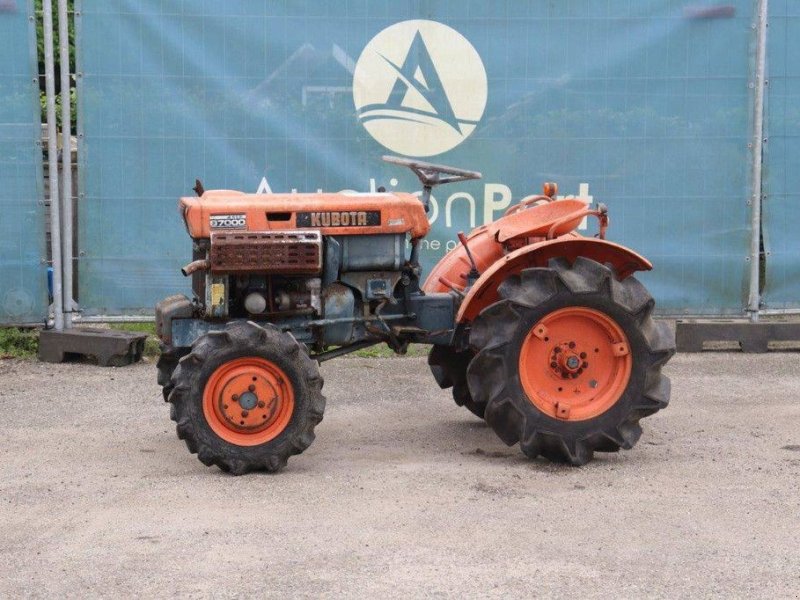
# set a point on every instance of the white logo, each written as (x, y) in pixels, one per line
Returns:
(238, 221)
(419, 88)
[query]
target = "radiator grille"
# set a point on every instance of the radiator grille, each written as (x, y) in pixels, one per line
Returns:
(280, 252)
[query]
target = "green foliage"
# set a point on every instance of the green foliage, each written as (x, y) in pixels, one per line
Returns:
(73, 108)
(37, 7)
(149, 328)
(17, 342)
(152, 347)
(56, 59)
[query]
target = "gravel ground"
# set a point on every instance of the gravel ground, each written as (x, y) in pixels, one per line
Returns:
(402, 495)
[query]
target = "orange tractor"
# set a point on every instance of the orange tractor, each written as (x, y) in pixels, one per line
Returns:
(540, 331)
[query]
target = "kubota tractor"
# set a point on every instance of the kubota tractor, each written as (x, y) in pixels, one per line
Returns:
(542, 332)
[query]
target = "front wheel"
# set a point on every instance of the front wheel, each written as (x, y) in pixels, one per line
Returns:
(569, 361)
(246, 398)
(166, 365)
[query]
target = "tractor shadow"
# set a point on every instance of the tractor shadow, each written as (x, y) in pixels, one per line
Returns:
(482, 445)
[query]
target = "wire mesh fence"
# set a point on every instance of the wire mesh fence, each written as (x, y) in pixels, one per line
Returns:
(644, 106)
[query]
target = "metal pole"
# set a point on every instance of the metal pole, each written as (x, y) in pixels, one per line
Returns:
(52, 156)
(116, 319)
(66, 159)
(753, 302)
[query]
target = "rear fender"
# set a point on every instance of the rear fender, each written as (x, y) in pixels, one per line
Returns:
(484, 292)
(451, 271)
(488, 243)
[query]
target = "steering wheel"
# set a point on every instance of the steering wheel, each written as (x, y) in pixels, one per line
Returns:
(430, 174)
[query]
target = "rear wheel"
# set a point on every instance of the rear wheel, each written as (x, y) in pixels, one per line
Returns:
(246, 398)
(449, 368)
(569, 361)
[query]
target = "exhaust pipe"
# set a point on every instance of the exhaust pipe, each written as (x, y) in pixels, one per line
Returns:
(196, 265)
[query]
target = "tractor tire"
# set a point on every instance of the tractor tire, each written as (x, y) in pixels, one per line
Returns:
(167, 361)
(569, 361)
(449, 368)
(246, 398)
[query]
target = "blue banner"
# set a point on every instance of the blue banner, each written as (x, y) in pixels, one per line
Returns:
(23, 274)
(643, 106)
(781, 189)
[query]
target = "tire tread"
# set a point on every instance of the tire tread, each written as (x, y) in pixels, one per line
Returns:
(490, 378)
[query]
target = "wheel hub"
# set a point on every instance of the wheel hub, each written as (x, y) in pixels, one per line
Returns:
(566, 360)
(248, 401)
(239, 404)
(574, 364)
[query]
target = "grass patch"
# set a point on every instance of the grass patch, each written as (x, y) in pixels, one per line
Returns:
(383, 351)
(148, 328)
(17, 342)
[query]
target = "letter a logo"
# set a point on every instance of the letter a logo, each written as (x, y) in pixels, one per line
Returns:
(419, 88)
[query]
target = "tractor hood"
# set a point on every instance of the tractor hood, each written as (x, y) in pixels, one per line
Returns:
(332, 214)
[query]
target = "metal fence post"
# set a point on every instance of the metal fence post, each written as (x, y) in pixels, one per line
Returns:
(66, 161)
(52, 157)
(753, 303)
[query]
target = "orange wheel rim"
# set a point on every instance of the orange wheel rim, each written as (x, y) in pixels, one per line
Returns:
(248, 401)
(575, 363)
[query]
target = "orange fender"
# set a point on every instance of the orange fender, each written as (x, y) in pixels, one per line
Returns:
(486, 242)
(451, 271)
(571, 246)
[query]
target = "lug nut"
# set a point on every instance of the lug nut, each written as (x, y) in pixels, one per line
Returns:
(251, 387)
(245, 413)
(583, 355)
(572, 344)
(584, 365)
(261, 404)
(235, 397)
(553, 365)
(557, 349)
